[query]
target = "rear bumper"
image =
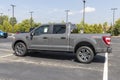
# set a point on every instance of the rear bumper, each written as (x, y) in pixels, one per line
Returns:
(109, 50)
(104, 50)
(5, 35)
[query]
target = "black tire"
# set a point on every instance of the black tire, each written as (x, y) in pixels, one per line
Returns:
(5, 36)
(20, 49)
(85, 54)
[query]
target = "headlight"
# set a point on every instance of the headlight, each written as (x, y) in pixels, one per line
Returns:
(13, 37)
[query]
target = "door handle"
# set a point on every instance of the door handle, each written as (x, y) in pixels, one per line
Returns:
(45, 37)
(63, 37)
(27, 37)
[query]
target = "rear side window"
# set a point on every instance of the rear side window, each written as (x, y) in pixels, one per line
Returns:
(59, 29)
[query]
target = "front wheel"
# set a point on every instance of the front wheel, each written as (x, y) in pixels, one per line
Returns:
(20, 49)
(85, 54)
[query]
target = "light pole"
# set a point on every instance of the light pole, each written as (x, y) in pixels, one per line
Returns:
(31, 18)
(13, 6)
(12, 17)
(84, 1)
(84, 12)
(1, 14)
(113, 23)
(67, 11)
(8, 12)
(113, 9)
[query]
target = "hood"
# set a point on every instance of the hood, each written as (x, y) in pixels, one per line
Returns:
(22, 34)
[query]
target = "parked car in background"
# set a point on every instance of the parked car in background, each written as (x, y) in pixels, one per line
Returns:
(3, 34)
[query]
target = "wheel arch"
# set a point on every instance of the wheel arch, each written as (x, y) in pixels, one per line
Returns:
(17, 42)
(84, 43)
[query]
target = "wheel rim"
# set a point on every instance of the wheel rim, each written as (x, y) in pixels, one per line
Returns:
(84, 55)
(20, 49)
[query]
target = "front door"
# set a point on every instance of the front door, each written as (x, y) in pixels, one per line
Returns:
(40, 38)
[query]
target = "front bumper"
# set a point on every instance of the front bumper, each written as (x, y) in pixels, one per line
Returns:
(1, 36)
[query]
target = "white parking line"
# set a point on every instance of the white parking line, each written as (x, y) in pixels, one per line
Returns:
(105, 73)
(5, 50)
(6, 56)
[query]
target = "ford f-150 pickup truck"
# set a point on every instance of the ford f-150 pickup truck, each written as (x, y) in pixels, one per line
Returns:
(61, 38)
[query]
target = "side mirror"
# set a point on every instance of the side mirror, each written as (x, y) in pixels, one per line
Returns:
(32, 34)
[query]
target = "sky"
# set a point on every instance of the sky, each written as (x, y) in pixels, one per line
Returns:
(97, 11)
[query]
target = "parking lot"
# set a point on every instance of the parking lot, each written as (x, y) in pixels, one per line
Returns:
(56, 66)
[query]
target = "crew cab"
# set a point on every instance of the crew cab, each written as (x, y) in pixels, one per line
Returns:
(62, 38)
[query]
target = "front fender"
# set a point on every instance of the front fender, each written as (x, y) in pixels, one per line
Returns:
(19, 40)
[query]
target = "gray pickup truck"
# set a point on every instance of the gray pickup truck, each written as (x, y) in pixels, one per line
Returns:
(61, 38)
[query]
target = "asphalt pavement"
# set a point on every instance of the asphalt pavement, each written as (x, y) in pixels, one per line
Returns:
(56, 66)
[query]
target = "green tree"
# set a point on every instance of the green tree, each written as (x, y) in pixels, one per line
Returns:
(105, 26)
(79, 26)
(36, 24)
(94, 28)
(2, 18)
(13, 21)
(1, 27)
(99, 28)
(6, 26)
(116, 28)
(24, 26)
(109, 29)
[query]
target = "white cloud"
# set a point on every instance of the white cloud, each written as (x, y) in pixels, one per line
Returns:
(58, 10)
(71, 13)
(55, 10)
(88, 10)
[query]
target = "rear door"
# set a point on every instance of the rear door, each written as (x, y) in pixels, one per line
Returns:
(59, 38)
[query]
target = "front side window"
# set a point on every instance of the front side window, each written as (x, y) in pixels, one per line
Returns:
(59, 29)
(42, 30)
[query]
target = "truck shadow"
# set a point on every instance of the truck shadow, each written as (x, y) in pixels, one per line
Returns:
(99, 59)
(63, 56)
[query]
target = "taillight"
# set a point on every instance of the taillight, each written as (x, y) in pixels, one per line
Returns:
(107, 39)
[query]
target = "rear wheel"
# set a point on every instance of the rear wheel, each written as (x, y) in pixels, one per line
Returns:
(20, 49)
(85, 54)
